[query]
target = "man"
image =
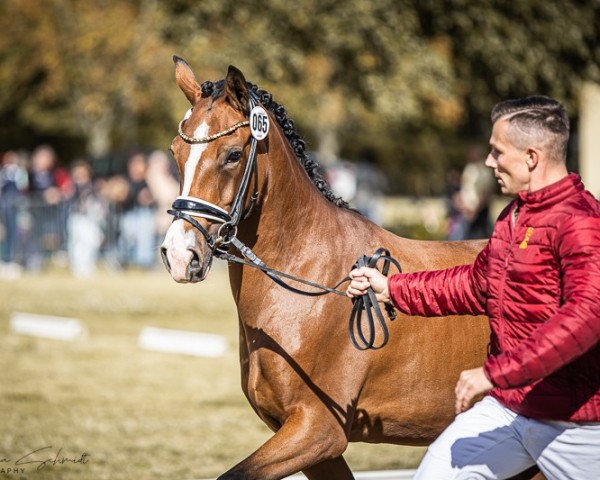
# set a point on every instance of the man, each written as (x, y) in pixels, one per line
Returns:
(538, 280)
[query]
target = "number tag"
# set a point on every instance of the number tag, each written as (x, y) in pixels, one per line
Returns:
(259, 122)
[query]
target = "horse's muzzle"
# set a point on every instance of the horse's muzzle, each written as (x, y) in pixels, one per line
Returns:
(189, 267)
(186, 257)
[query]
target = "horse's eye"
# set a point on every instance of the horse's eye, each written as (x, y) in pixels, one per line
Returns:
(234, 156)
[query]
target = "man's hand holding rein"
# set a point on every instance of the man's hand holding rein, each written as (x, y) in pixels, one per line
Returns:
(363, 278)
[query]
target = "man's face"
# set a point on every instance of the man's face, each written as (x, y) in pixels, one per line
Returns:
(508, 161)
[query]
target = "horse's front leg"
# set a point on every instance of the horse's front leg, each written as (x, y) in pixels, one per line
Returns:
(306, 442)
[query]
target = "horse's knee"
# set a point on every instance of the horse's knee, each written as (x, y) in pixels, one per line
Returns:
(333, 442)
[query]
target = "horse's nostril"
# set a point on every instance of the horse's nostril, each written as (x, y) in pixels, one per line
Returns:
(194, 266)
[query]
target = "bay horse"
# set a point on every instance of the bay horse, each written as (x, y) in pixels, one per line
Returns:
(299, 371)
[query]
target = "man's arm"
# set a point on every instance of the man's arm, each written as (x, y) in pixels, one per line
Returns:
(459, 290)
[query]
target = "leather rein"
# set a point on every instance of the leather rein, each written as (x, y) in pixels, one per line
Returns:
(362, 326)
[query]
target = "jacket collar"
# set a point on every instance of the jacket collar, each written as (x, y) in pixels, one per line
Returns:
(554, 193)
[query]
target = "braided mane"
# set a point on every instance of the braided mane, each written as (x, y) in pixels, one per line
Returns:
(215, 90)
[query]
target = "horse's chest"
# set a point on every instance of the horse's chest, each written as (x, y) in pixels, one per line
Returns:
(266, 385)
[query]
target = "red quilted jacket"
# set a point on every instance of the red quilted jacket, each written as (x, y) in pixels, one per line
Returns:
(538, 280)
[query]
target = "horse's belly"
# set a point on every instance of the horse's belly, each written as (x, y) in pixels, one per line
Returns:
(383, 425)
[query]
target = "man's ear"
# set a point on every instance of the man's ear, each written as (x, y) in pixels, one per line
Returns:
(533, 158)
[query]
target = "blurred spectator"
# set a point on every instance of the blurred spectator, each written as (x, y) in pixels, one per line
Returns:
(370, 186)
(341, 177)
(477, 186)
(13, 182)
(360, 183)
(113, 191)
(456, 222)
(164, 186)
(87, 214)
(49, 185)
(137, 241)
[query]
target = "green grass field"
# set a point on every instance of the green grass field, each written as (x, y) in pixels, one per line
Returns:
(103, 408)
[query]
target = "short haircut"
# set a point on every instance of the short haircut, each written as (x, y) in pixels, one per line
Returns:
(538, 119)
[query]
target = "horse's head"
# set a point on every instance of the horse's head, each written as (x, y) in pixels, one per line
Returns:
(215, 151)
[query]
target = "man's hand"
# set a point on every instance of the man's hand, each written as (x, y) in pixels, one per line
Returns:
(363, 278)
(470, 384)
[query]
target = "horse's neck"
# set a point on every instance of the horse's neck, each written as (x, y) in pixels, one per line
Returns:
(291, 208)
(292, 230)
(292, 199)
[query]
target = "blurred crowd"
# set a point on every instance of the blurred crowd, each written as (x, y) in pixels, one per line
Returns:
(53, 213)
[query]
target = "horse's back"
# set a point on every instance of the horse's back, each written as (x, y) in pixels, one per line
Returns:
(434, 255)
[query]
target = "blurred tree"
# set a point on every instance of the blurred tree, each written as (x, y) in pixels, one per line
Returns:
(88, 69)
(401, 77)
(503, 49)
(347, 56)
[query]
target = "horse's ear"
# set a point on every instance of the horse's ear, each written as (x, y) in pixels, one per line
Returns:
(236, 90)
(186, 80)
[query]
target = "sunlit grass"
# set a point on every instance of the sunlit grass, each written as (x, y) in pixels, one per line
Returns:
(136, 414)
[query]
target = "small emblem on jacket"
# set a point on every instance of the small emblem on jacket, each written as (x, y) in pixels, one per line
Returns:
(525, 241)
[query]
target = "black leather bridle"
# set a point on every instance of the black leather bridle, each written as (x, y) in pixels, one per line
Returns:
(188, 208)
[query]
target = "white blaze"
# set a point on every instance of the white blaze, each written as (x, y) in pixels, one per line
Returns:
(178, 243)
(196, 151)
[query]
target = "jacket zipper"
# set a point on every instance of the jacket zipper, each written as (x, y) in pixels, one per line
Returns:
(513, 230)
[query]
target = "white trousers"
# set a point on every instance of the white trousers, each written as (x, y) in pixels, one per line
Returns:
(490, 441)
